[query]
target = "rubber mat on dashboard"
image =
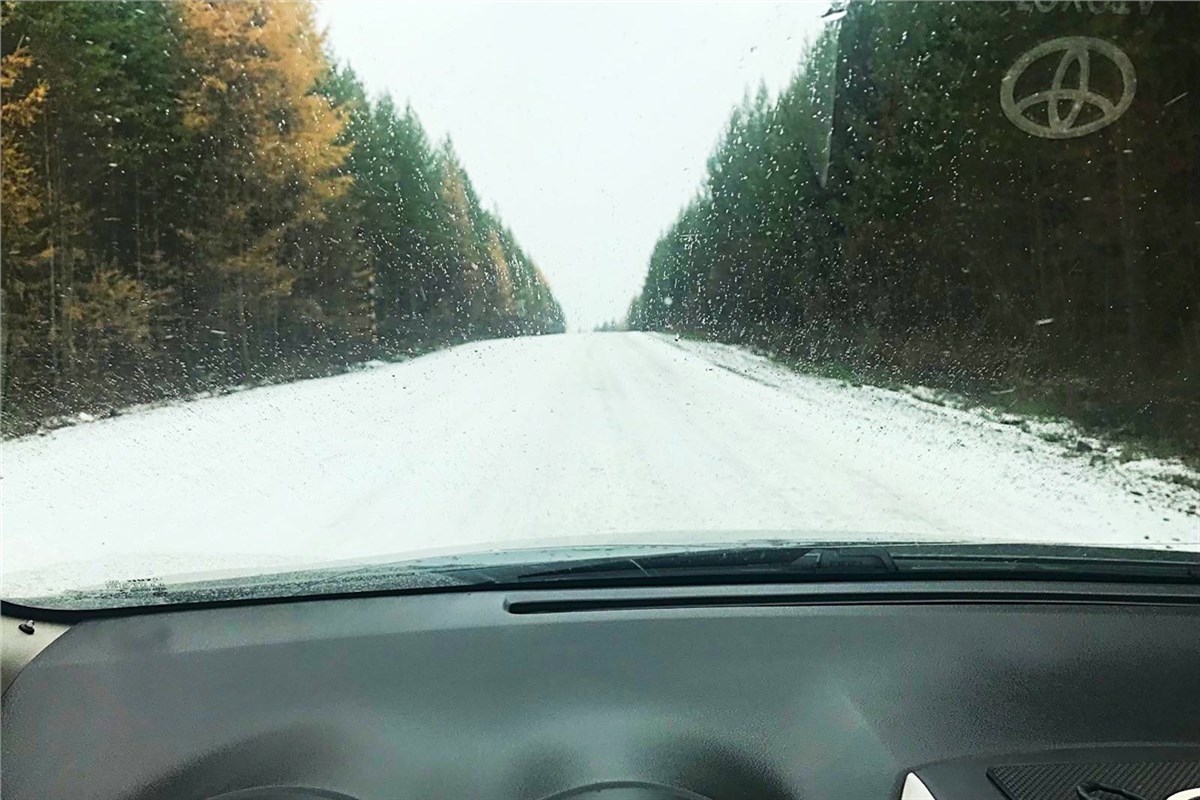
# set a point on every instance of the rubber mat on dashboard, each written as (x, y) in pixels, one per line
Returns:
(1151, 780)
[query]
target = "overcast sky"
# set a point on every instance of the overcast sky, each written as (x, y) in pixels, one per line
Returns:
(585, 125)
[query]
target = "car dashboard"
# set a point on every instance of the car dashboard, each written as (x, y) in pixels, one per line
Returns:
(813, 691)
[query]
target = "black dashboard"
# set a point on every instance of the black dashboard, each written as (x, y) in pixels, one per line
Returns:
(983, 691)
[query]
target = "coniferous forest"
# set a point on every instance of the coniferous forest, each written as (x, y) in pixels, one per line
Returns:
(196, 196)
(882, 219)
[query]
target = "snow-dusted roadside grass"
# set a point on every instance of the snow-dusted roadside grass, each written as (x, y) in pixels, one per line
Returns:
(1166, 481)
(55, 421)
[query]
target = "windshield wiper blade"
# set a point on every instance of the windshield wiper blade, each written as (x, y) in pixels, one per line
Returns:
(757, 562)
(866, 562)
(979, 563)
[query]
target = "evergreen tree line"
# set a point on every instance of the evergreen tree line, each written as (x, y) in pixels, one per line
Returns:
(946, 246)
(196, 196)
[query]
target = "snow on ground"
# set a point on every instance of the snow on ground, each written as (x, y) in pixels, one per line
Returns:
(623, 436)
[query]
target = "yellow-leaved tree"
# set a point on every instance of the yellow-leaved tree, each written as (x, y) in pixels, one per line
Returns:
(502, 278)
(464, 305)
(269, 150)
(20, 205)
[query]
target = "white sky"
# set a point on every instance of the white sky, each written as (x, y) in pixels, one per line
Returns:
(585, 125)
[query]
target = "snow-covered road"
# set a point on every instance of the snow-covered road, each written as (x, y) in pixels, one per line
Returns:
(589, 434)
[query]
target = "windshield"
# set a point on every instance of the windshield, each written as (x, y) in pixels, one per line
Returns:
(311, 284)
